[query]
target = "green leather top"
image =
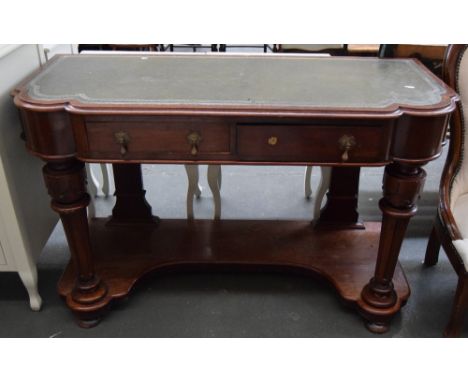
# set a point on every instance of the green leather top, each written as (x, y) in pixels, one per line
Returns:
(267, 80)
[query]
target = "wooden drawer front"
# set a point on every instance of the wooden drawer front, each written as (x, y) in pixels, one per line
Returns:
(157, 140)
(313, 143)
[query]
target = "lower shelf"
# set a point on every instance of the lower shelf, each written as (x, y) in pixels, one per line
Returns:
(346, 258)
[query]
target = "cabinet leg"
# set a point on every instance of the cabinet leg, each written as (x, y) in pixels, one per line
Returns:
(66, 183)
(340, 210)
(130, 205)
(401, 186)
(29, 279)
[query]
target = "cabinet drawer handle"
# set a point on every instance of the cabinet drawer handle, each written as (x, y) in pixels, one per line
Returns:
(122, 138)
(194, 139)
(346, 143)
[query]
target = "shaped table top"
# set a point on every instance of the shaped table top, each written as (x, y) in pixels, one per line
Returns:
(237, 81)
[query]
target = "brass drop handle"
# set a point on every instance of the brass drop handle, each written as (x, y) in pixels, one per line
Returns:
(346, 143)
(194, 139)
(122, 138)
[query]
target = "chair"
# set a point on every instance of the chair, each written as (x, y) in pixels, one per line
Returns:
(194, 190)
(95, 187)
(451, 224)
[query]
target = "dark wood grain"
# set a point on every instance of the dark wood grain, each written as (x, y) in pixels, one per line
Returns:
(344, 258)
(66, 131)
(164, 138)
(312, 142)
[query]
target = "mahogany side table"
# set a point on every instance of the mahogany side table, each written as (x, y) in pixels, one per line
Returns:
(235, 109)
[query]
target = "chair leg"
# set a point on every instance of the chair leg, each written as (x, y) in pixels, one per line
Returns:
(93, 183)
(194, 189)
(92, 191)
(214, 178)
(220, 178)
(459, 308)
(92, 207)
(307, 182)
(433, 249)
(105, 179)
(322, 189)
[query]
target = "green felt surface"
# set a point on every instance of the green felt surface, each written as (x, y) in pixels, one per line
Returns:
(258, 80)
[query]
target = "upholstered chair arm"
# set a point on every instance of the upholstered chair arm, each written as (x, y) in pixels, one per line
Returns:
(453, 183)
(448, 195)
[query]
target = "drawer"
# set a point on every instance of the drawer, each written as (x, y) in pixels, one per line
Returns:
(314, 143)
(164, 139)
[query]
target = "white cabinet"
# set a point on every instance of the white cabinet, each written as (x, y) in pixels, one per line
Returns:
(26, 220)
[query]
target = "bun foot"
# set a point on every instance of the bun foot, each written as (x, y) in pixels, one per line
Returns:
(377, 327)
(88, 320)
(88, 324)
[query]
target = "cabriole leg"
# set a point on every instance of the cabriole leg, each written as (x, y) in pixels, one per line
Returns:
(29, 279)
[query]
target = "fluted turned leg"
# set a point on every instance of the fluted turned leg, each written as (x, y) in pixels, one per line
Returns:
(401, 188)
(66, 183)
(433, 249)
